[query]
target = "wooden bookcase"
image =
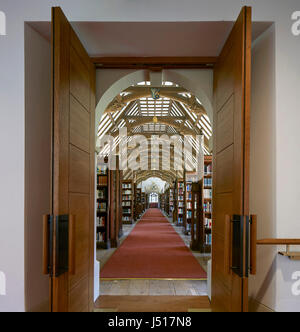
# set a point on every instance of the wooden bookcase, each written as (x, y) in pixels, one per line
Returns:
(175, 203)
(167, 201)
(207, 204)
(188, 200)
(181, 209)
(197, 230)
(127, 201)
(102, 206)
(138, 210)
(171, 201)
(144, 201)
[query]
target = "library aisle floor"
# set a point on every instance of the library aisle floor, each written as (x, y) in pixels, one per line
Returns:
(153, 250)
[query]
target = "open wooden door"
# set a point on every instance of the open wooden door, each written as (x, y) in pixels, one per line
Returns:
(72, 282)
(231, 169)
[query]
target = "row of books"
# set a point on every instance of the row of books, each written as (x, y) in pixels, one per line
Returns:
(181, 204)
(102, 170)
(189, 205)
(127, 198)
(208, 169)
(189, 214)
(208, 207)
(126, 186)
(127, 211)
(189, 196)
(189, 187)
(126, 218)
(101, 194)
(100, 237)
(207, 182)
(102, 180)
(126, 203)
(180, 211)
(207, 193)
(208, 223)
(208, 238)
(127, 192)
(100, 221)
(180, 198)
(101, 206)
(180, 221)
(180, 192)
(180, 185)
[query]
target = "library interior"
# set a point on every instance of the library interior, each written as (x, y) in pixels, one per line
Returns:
(149, 184)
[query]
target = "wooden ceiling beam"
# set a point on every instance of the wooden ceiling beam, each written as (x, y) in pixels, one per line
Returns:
(153, 63)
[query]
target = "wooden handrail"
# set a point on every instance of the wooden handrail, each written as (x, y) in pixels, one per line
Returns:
(284, 242)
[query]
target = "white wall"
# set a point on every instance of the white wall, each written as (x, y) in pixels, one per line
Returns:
(37, 164)
(263, 167)
(287, 50)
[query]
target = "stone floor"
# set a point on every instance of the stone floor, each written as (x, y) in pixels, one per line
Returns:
(150, 287)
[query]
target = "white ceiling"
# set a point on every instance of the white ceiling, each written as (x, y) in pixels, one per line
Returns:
(147, 39)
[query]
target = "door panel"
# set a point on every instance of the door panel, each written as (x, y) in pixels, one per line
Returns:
(73, 161)
(231, 160)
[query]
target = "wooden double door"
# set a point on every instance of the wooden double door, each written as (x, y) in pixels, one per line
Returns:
(73, 168)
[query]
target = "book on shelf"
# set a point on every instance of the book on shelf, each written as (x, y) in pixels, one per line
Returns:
(208, 223)
(189, 205)
(208, 169)
(101, 221)
(126, 186)
(189, 215)
(207, 193)
(207, 182)
(102, 169)
(207, 207)
(208, 239)
(100, 237)
(101, 194)
(102, 180)
(101, 206)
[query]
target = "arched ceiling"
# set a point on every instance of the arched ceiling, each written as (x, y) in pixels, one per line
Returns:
(168, 110)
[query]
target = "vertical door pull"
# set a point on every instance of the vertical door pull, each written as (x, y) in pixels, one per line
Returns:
(47, 244)
(253, 240)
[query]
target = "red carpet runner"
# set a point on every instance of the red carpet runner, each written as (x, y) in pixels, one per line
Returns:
(153, 250)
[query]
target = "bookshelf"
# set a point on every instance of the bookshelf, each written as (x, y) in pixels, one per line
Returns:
(207, 204)
(167, 201)
(162, 202)
(127, 202)
(188, 207)
(102, 205)
(137, 203)
(171, 201)
(181, 217)
(175, 203)
(144, 201)
(197, 231)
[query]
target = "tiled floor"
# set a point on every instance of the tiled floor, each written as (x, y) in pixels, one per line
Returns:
(153, 287)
